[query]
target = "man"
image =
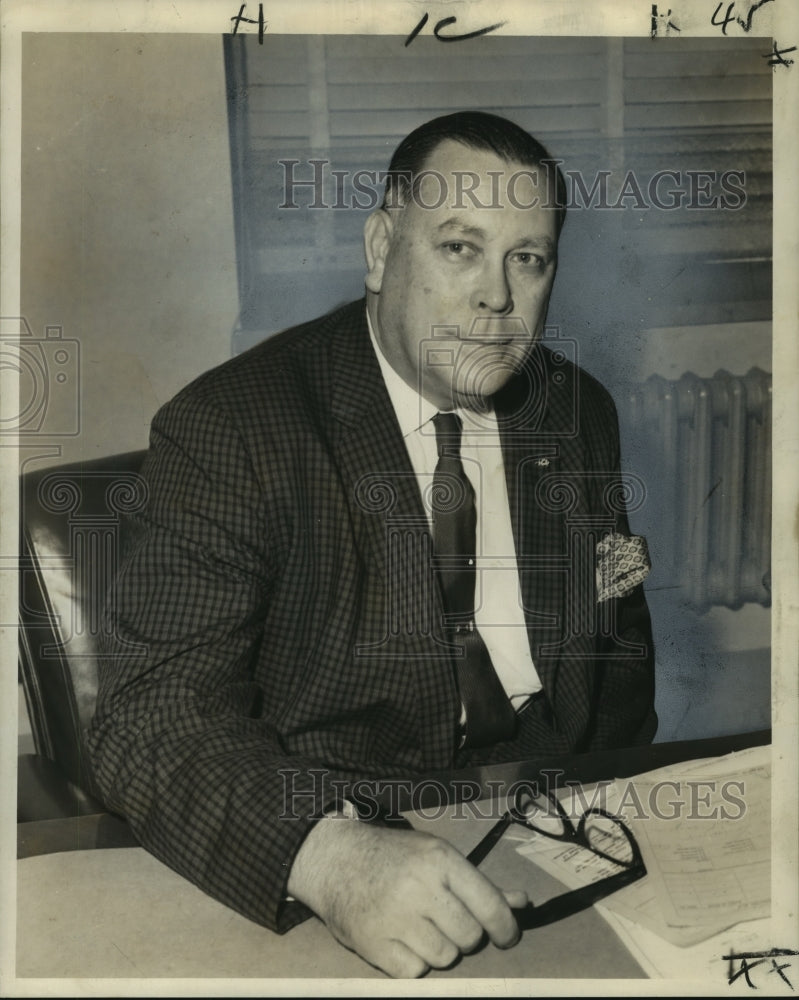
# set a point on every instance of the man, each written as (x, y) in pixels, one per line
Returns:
(296, 618)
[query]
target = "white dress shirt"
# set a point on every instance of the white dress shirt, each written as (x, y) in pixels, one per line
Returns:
(498, 606)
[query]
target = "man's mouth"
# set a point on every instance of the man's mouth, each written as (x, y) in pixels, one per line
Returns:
(491, 341)
(498, 330)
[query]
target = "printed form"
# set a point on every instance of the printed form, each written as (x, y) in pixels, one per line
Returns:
(703, 828)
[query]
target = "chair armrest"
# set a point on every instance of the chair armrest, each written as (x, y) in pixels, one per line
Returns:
(79, 833)
(44, 793)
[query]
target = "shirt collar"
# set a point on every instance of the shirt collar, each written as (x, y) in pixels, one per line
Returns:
(413, 411)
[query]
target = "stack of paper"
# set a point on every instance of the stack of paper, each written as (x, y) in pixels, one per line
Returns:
(704, 832)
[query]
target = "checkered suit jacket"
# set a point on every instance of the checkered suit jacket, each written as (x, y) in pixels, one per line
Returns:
(281, 582)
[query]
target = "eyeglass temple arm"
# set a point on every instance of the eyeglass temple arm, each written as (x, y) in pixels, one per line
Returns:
(481, 852)
(578, 899)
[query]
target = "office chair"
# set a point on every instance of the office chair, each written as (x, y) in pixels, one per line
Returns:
(71, 520)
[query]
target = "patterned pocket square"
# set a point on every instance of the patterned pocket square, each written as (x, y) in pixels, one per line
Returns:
(622, 563)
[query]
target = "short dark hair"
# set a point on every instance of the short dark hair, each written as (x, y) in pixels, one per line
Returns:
(477, 130)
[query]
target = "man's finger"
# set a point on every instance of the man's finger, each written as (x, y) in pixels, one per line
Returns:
(457, 924)
(486, 904)
(436, 949)
(397, 960)
(515, 898)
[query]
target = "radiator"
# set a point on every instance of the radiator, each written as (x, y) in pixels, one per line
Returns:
(706, 447)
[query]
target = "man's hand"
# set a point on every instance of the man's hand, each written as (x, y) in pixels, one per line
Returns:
(403, 900)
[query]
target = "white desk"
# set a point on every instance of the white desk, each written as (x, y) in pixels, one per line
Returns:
(117, 912)
(112, 913)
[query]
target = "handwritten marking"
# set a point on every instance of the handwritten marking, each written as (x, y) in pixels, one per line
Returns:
(729, 17)
(775, 57)
(445, 22)
(752, 959)
(416, 30)
(241, 19)
(656, 17)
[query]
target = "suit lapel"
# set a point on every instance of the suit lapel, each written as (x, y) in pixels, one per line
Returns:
(530, 453)
(536, 417)
(367, 438)
(390, 525)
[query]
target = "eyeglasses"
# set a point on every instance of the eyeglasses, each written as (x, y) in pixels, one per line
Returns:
(597, 830)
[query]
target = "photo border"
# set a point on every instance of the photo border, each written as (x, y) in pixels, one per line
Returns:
(777, 19)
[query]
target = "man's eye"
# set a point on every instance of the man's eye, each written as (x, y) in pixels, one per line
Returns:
(457, 249)
(529, 259)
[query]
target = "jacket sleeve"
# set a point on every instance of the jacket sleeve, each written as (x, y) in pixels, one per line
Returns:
(625, 709)
(180, 744)
(624, 706)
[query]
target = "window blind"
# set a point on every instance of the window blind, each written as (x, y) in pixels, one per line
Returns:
(700, 108)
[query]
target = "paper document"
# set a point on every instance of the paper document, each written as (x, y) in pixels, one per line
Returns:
(705, 835)
(703, 828)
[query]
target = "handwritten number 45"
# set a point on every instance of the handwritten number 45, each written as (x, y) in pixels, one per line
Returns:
(730, 17)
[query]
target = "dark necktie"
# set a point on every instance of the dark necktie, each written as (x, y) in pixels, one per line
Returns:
(489, 713)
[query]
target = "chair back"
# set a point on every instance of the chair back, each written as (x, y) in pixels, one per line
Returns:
(72, 522)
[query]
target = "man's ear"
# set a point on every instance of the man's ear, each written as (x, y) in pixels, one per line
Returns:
(377, 233)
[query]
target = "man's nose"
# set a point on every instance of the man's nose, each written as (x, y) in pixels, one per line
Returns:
(493, 291)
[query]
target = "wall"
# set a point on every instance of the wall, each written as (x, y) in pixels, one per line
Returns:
(127, 229)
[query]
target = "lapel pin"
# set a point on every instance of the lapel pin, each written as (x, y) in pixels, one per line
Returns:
(542, 463)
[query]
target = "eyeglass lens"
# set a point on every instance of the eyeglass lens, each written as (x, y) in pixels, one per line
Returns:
(602, 833)
(606, 836)
(540, 812)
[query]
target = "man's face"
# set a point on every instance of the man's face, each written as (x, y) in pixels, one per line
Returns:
(460, 290)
